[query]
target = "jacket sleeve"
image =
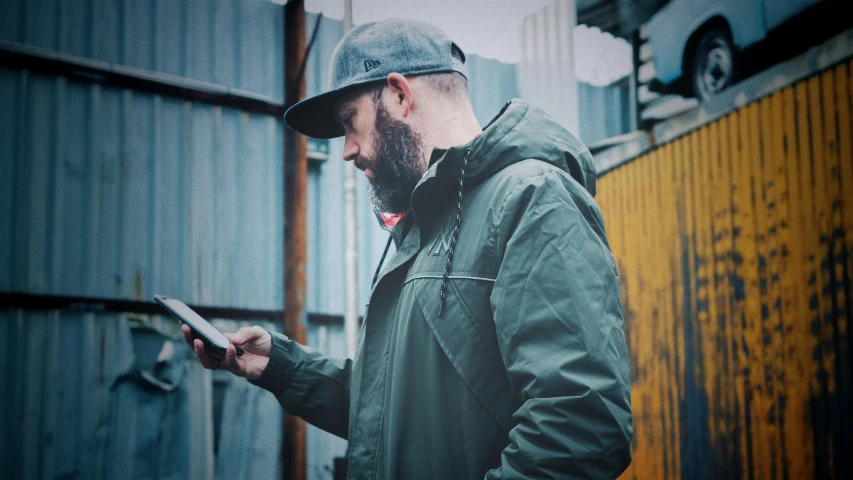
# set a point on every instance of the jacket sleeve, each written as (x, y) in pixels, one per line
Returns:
(308, 384)
(558, 318)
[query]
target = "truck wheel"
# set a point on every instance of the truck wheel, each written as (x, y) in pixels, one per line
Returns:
(713, 64)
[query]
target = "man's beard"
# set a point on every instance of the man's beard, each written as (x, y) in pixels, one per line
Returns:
(397, 165)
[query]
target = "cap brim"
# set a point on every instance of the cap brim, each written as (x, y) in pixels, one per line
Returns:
(315, 116)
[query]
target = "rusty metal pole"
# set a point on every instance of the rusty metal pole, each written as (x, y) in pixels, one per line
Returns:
(295, 201)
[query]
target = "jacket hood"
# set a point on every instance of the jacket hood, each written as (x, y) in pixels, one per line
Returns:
(519, 132)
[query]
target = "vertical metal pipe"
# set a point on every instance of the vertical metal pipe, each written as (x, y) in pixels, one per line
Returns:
(351, 200)
(295, 201)
(347, 16)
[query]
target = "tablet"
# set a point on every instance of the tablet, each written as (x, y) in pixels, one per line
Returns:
(208, 333)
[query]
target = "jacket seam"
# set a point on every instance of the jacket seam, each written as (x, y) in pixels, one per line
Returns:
(383, 372)
(450, 277)
(495, 144)
(511, 193)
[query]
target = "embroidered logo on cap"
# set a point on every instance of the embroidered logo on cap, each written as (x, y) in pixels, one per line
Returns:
(370, 65)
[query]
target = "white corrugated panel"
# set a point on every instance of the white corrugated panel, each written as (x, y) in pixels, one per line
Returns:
(546, 69)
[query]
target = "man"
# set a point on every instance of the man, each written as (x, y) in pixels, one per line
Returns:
(493, 344)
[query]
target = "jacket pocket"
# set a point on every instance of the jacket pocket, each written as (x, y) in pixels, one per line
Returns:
(473, 352)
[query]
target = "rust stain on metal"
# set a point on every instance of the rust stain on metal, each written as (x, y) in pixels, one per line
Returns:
(734, 245)
(295, 208)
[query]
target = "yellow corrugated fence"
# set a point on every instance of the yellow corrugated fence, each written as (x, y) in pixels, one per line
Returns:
(735, 249)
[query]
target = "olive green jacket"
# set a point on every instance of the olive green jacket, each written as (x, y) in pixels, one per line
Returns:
(493, 343)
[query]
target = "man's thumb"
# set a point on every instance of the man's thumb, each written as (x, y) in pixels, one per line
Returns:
(235, 338)
(240, 336)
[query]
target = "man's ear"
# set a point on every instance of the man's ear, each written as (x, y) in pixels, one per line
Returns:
(402, 99)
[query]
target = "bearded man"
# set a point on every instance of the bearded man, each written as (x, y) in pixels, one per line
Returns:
(493, 344)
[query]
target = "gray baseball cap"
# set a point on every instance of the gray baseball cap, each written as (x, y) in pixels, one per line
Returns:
(368, 53)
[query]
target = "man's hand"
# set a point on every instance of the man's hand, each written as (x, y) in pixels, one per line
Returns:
(255, 341)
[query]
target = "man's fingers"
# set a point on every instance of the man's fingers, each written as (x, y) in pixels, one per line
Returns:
(206, 360)
(189, 336)
(230, 362)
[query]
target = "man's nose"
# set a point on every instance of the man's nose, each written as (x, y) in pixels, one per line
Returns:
(350, 149)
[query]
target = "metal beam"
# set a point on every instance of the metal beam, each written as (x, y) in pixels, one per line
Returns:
(328, 319)
(27, 301)
(46, 61)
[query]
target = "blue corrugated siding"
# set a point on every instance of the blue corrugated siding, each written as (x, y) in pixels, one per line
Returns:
(604, 111)
(122, 194)
(109, 192)
(492, 84)
(236, 44)
(74, 405)
(317, 66)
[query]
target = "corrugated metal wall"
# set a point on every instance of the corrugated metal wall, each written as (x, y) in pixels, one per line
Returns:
(118, 193)
(604, 111)
(233, 44)
(735, 248)
(104, 395)
(491, 83)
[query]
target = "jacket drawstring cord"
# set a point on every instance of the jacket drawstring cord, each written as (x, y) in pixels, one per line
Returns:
(381, 261)
(455, 233)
